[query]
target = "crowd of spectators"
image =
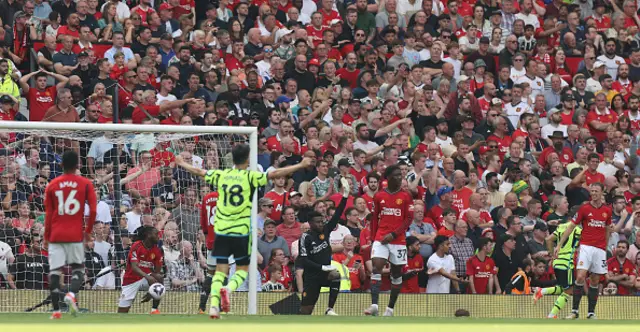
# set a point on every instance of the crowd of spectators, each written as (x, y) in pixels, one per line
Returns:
(499, 113)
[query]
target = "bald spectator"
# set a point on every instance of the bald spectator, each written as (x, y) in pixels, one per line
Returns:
(303, 77)
(253, 48)
(184, 273)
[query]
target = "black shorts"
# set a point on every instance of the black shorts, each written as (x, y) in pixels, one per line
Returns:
(238, 246)
(311, 285)
(564, 278)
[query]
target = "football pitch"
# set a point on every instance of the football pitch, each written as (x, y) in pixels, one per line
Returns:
(191, 323)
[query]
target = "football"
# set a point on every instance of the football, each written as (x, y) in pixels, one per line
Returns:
(157, 291)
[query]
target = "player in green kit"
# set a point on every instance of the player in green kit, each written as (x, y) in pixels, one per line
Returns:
(563, 267)
(236, 188)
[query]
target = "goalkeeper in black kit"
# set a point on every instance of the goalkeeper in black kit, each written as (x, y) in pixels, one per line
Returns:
(315, 257)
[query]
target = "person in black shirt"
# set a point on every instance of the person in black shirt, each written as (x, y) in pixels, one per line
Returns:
(315, 258)
(93, 262)
(163, 191)
(30, 268)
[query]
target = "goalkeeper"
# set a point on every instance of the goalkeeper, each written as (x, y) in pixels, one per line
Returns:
(236, 187)
(315, 257)
(563, 267)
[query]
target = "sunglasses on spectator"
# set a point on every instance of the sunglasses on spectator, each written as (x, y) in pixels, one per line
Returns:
(268, 205)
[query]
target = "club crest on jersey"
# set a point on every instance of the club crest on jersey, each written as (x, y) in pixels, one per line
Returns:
(517, 109)
(153, 256)
(417, 264)
(539, 84)
(604, 215)
(321, 236)
(399, 201)
(488, 266)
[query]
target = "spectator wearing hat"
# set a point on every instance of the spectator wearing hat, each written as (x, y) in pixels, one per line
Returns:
(506, 260)
(554, 118)
(565, 154)
(537, 245)
(482, 53)
(593, 83)
(270, 240)
(7, 109)
(477, 80)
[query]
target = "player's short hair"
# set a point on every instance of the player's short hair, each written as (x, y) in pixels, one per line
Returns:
(593, 155)
(143, 232)
(240, 153)
(314, 214)
(635, 199)
(440, 239)
(483, 242)
(389, 170)
(623, 242)
(69, 161)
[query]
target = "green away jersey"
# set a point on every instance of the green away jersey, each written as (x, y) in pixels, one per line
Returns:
(565, 255)
(236, 188)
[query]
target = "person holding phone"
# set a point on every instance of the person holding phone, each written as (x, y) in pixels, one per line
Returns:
(351, 258)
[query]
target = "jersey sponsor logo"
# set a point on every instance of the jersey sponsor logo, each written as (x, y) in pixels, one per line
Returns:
(482, 274)
(319, 248)
(386, 211)
(145, 264)
(597, 223)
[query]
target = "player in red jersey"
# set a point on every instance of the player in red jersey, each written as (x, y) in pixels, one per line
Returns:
(207, 217)
(595, 218)
(415, 265)
(389, 222)
(65, 199)
(144, 265)
(481, 269)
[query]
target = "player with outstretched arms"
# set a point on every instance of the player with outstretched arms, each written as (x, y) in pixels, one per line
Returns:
(563, 267)
(65, 199)
(207, 222)
(392, 215)
(236, 187)
(144, 268)
(315, 257)
(595, 218)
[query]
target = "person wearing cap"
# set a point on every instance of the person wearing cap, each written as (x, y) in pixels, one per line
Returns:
(435, 211)
(477, 80)
(270, 241)
(547, 188)
(482, 53)
(554, 118)
(593, 83)
(7, 110)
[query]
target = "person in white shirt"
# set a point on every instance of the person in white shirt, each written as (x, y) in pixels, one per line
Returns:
(470, 42)
(442, 129)
(593, 83)
(6, 259)
(518, 70)
(610, 59)
(527, 15)
(441, 268)
(554, 117)
(536, 83)
(135, 215)
(515, 109)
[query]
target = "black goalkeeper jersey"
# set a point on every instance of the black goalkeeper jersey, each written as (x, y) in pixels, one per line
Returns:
(315, 249)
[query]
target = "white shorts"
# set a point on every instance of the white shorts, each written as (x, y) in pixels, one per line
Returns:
(592, 259)
(61, 254)
(130, 291)
(396, 254)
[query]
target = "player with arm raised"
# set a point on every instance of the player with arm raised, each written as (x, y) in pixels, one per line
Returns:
(65, 199)
(207, 221)
(144, 267)
(563, 267)
(595, 218)
(236, 187)
(315, 257)
(392, 215)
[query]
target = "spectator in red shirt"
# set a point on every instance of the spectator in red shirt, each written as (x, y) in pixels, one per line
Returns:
(621, 270)
(7, 112)
(601, 118)
(149, 108)
(233, 60)
(71, 29)
(40, 97)
(481, 269)
(353, 261)
(591, 174)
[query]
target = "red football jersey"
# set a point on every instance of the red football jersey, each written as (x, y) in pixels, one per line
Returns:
(414, 264)
(629, 196)
(635, 120)
(461, 198)
(481, 272)
(626, 268)
(65, 199)
(591, 178)
(280, 201)
(594, 223)
(485, 216)
(392, 214)
(40, 102)
(354, 274)
(607, 116)
(207, 216)
(285, 279)
(147, 258)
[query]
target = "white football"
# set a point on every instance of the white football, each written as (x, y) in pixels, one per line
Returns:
(157, 291)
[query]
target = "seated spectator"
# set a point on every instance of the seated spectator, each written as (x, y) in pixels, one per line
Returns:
(290, 228)
(30, 269)
(270, 241)
(184, 272)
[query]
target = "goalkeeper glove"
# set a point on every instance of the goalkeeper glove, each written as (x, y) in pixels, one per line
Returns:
(328, 268)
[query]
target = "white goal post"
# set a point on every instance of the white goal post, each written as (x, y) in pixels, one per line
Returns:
(88, 132)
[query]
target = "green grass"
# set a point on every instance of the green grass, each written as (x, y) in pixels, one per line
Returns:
(191, 323)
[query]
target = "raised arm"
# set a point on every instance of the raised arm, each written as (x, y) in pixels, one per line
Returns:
(190, 168)
(284, 171)
(340, 209)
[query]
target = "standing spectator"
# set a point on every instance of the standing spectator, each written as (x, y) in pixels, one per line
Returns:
(29, 269)
(187, 215)
(184, 273)
(481, 270)
(461, 248)
(441, 269)
(63, 110)
(270, 240)
(41, 97)
(506, 262)
(425, 232)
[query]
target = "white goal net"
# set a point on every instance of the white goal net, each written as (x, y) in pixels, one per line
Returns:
(137, 183)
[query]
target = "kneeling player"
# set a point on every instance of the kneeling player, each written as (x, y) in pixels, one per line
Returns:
(389, 223)
(315, 257)
(144, 265)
